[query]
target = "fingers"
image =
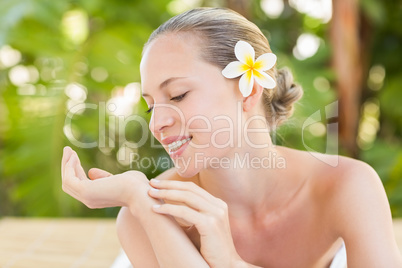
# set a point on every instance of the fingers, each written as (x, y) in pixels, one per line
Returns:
(97, 173)
(66, 156)
(78, 168)
(69, 168)
(69, 153)
(79, 171)
(72, 185)
(183, 212)
(185, 192)
(69, 178)
(185, 197)
(184, 186)
(189, 202)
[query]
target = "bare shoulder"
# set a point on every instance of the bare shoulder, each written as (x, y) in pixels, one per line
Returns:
(344, 188)
(336, 176)
(355, 191)
(344, 185)
(330, 175)
(350, 182)
(354, 206)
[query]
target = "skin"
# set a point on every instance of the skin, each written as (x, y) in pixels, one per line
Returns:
(198, 215)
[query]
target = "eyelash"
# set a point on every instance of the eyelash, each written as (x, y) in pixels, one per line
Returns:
(149, 110)
(178, 98)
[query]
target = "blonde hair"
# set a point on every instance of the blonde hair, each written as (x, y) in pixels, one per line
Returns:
(219, 30)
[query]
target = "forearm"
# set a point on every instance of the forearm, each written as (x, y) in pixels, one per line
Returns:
(171, 245)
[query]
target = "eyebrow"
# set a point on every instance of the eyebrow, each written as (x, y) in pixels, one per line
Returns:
(165, 83)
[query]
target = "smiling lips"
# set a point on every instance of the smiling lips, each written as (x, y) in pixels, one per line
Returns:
(174, 146)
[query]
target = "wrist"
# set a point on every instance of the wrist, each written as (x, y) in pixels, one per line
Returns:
(139, 202)
(136, 186)
(142, 210)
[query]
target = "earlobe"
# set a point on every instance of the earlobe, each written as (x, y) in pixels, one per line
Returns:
(253, 99)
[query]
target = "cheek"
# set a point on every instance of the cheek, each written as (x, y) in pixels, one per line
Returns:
(212, 116)
(197, 113)
(200, 125)
(223, 133)
(215, 127)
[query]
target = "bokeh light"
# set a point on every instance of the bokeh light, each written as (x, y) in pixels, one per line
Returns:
(272, 8)
(320, 9)
(306, 46)
(9, 56)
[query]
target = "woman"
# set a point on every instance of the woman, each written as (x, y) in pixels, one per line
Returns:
(221, 205)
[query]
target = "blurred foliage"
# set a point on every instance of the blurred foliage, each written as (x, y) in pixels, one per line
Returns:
(87, 52)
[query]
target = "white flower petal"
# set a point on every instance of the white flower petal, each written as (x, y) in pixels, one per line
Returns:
(246, 83)
(265, 62)
(264, 80)
(234, 69)
(245, 53)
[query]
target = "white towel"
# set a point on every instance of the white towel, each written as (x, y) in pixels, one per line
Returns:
(340, 260)
(121, 261)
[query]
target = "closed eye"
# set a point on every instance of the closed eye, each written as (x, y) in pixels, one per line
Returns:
(179, 98)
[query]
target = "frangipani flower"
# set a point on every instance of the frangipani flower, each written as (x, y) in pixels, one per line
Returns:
(250, 69)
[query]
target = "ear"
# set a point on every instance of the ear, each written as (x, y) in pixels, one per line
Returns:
(254, 98)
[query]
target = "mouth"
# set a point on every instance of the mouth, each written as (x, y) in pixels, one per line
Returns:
(176, 145)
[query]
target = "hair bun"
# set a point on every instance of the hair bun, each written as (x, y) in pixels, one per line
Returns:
(284, 96)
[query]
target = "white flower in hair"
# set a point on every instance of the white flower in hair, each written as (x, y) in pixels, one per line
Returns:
(250, 69)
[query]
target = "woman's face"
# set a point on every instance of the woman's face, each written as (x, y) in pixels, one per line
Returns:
(191, 102)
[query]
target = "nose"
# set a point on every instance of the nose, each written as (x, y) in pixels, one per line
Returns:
(161, 119)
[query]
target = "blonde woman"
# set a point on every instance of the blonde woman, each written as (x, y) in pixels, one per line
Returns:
(210, 81)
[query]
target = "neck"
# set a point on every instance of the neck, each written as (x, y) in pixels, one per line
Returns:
(248, 183)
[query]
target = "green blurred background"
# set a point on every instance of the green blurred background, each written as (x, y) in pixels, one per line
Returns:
(55, 55)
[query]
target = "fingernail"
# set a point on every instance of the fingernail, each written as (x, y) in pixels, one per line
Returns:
(156, 206)
(155, 181)
(154, 190)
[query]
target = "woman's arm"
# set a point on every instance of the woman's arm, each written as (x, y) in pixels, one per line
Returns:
(158, 241)
(135, 241)
(170, 245)
(191, 204)
(152, 238)
(363, 219)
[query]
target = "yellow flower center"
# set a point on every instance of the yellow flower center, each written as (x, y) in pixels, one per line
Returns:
(250, 61)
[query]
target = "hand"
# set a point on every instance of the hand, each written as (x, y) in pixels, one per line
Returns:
(195, 206)
(105, 190)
